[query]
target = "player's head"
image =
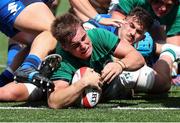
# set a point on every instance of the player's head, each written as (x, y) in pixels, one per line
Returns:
(162, 7)
(68, 30)
(138, 22)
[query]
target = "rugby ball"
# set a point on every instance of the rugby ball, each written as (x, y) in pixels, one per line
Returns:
(90, 96)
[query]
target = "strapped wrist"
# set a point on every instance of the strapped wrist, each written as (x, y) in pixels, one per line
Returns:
(98, 17)
(122, 64)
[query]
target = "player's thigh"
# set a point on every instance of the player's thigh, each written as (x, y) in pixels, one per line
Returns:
(19, 92)
(10, 9)
(24, 38)
(34, 18)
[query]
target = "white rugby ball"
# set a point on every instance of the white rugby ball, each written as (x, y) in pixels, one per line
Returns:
(90, 97)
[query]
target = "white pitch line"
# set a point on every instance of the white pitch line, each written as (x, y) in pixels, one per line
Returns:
(21, 108)
(145, 108)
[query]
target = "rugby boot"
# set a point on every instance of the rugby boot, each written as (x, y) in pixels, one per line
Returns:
(32, 75)
(50, 64)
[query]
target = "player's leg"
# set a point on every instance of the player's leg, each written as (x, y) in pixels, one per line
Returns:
(42, 45)
(20, 92)
(156, 80)
(32, 18)
(13, 49)
(162, 69)
(39, 77)
(164, 66)
(141, 80)
(8, 74)
(115, 90)
(33, 21)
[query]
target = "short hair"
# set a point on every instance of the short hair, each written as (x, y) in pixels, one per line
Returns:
(64, 27)
(143, 17)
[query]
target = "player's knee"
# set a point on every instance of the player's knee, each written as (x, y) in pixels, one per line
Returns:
(161, 87)
(11, 95)
(162, 83)
(167, 87)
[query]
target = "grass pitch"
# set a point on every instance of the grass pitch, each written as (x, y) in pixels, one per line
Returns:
(141, 108)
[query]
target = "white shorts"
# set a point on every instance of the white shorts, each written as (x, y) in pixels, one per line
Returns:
(115, 90)
(123, 85)
(142, 79)
(35, 93)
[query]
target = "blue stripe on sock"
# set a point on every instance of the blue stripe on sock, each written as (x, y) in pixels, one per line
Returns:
(31, 61)
(13, 49)
(30, 77)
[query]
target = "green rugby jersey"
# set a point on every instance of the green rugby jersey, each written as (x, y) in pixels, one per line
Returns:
(103, 42)
(171, 20)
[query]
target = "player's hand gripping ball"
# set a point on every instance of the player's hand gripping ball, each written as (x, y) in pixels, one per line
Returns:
(90, 97)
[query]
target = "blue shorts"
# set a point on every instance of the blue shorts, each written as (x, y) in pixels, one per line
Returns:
(28, 2)
(9, 10)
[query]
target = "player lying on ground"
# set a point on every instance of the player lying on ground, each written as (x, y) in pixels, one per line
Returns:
(83, 46)
(93, 49)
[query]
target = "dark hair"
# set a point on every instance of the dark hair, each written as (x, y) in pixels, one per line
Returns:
(143, 17)
(64, 27)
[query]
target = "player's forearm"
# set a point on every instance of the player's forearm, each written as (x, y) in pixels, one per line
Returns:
(64, 97)
(129, 56)
(84, 7)
(133, 61)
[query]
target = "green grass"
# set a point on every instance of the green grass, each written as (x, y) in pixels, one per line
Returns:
(3, 49)
(63, 7)
(104, 112)
(84, 115)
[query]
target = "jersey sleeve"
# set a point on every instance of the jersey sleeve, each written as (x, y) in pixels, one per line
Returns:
(173, 23)
(126, 6)
(64, 73)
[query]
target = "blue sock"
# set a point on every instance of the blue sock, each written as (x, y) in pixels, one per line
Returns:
(6, 77)
(31, 61)
(13, 49)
